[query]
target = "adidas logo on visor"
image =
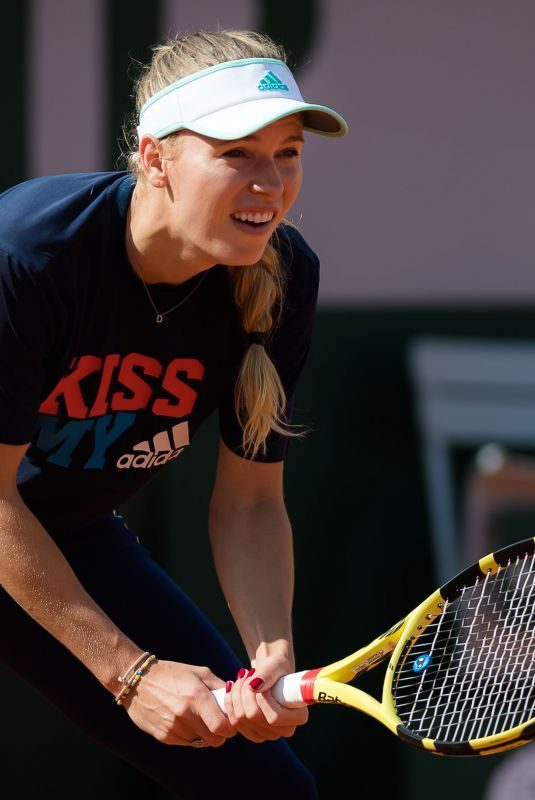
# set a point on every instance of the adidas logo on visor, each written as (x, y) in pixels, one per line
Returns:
(164, 446)
(270, 83)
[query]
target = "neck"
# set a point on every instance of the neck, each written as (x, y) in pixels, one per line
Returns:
(156, 256)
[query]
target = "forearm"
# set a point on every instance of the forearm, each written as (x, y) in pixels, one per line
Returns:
(253, 554)
(35, 573)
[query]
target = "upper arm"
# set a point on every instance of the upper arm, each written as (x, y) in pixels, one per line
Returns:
(241, 483)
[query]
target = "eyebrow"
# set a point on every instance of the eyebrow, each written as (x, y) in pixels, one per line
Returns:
(253, 137)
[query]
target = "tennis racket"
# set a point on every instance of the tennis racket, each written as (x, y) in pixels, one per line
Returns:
(461, 676)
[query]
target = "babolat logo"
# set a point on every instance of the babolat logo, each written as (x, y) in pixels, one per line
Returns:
(323, 697)
(163, 447)
(270, 83)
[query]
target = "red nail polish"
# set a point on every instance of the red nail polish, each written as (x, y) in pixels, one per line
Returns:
(228, 687)
(256, 683)
(251, 672)
(241, 674)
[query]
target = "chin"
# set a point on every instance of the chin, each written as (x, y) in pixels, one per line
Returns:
(243, 259)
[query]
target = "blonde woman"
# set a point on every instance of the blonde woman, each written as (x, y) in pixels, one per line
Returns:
(132, 305)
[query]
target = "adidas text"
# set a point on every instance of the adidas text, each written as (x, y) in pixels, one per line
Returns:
(164, 446)
(270, 83)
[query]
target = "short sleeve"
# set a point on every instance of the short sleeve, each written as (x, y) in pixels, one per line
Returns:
(25, 333)
(289, 346)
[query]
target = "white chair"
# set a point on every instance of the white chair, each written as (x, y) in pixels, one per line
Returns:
(499, 483)
(468, 392)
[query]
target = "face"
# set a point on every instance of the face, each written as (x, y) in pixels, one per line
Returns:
(227, 197)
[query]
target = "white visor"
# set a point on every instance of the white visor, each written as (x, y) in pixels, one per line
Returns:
(233, 100)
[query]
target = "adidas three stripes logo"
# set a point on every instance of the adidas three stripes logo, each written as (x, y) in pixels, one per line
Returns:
(270, 83)
(164, 446)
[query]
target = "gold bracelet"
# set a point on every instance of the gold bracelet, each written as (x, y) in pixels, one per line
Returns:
(134, 680)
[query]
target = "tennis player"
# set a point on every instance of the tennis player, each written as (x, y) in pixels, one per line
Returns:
(132, 305)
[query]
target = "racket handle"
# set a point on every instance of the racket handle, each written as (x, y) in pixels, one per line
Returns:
(287, 691)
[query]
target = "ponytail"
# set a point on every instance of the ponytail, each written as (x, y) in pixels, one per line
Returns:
(259, 398)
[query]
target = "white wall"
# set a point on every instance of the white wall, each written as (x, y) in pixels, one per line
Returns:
(66, 86)
(430, 198)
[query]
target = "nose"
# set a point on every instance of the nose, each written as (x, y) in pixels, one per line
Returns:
(267, 179)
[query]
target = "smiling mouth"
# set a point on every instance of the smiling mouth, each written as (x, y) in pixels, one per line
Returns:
(254, 219)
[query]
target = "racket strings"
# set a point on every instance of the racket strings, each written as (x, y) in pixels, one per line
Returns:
(479, 656)
(517, 658)
(490, 659)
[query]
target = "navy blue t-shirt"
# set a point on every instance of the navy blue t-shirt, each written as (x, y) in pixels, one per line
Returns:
(105, 395)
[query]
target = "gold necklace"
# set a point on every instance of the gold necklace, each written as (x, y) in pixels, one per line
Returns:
(161, 314)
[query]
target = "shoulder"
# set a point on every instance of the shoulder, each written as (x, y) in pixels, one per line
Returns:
(39, 217)
(301, 266)
(295, 250)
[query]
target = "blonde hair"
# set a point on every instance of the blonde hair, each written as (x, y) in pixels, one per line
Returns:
(258, 289)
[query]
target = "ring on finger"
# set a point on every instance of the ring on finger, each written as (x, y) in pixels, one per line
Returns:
(197, 742)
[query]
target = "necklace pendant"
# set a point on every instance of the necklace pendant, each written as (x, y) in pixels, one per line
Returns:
(159, 318)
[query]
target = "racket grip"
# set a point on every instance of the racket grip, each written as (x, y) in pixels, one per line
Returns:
(287, 691)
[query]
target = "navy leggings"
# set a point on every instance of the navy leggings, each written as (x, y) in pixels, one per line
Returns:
(147, 605)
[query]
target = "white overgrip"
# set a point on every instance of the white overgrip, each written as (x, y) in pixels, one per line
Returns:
(287, 691)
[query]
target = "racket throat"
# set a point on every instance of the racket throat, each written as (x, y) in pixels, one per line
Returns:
(327, 691)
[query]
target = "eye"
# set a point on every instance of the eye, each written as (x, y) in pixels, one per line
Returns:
(236, 152)
(290, 152)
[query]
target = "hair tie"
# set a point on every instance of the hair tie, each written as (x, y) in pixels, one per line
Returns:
(257, 337)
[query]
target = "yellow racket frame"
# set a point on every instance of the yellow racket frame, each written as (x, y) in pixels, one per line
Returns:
(330, 684)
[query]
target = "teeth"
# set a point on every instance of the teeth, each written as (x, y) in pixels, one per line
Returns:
(257, 218)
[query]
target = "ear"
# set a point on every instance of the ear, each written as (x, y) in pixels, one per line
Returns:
(152, 162)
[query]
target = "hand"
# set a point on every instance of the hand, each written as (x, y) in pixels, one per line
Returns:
(251, 708)
(173, 703)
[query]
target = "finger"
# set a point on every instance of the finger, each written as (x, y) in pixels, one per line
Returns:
(229, 705)
(207, 723)
(201, 721)
(212, 718)
(236, 713)
(197, 742)
(267, 718)
(176, 737)
(199, 730)
(201, 736)
(278, 715)
(251, 698)
(252, 721)
(256, 733)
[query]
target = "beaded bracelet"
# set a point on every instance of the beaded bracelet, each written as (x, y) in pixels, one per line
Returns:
(129, 672)
(136, 677)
